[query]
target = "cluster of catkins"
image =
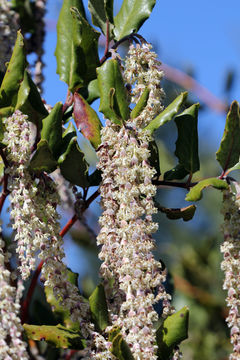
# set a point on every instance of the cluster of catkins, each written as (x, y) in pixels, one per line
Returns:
(133, 278)
(231, 264)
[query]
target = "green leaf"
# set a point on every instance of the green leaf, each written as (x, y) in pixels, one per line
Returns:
(43, 159)
(68, 134)
(93, 91)
(167, 114)
(229, 150)
(113, 95)
(235, 167)
(142, 102)
(60, 310)
(195, 193)
(77, 46)
(87, 120)
(172, 331)
(58, 335)
(131, 16)
(187, 141)
(177, 173)
(121, 349)
(98, 307)
(29, 101)
(101, 11)
(95, 178)
(185, 213)
(52, 129)
(14, 74)
(25, 9)
(73, 165)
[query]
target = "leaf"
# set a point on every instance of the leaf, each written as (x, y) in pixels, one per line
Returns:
(98, 307)
(101, 11)
(154, 157)
(195, 193)
(121, 349)
(185, 213)
(25, 10)
(142, 102)
(93, 91)
(113, 95)
(43, 159)
(235, 167)
(87, 120)
(58, 335)
(14, 74)
(52, 129)
(229, 150)
(131, 16)
(29, 101)
(95, 178)
(177, 173)
(73, 165)
(173, 330)
(187, 141)
(60, 310)
(167, 114)
(77, 46)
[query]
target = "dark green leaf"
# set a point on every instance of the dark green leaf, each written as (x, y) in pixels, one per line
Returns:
(52, 129)
(14, 74)
(121, 349)
(68, 134)
(95, 178)
(229, 150)
(185, 213)
(167, 114)
(172, 331)
(98, 307)
(58, 336)
(131, 16)
(101, 11)
(113, 96)
(77, 46)
(25, 10)
(187, 141)
(142, 102)
(87, 120)
(177, 173)
(73, 165)
(43, 159)
(29, 101)
(195, 193)
(154, 157)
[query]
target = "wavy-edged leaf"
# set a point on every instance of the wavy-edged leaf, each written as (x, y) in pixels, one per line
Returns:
(62, 312)
(73, 165)
(113, 95)
(98, 307)
(43, 159)
(93, 91)
(77, 46)
(229, 150)
(195, 193)
(58, 335)
(52, 129)
(101, 11)
(14, 74)
(141, 104)
(131, 16)
(173, 330)
(187, 141)
(167, 114)
(177, 173)
(185, 213)
(119, 346)
(87, 120)
(29, 101)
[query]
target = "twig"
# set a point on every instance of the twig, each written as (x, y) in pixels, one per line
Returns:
(184, 185)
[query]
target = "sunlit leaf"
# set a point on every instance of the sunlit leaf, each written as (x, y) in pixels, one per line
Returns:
(113, 96)
(195, 193)
(141, 104)
(98, 307)
(167, 114)
(101, 11)
(131, 16)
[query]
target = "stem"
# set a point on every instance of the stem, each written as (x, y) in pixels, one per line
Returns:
(67, 227)
(107, 39)
(184, 185)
